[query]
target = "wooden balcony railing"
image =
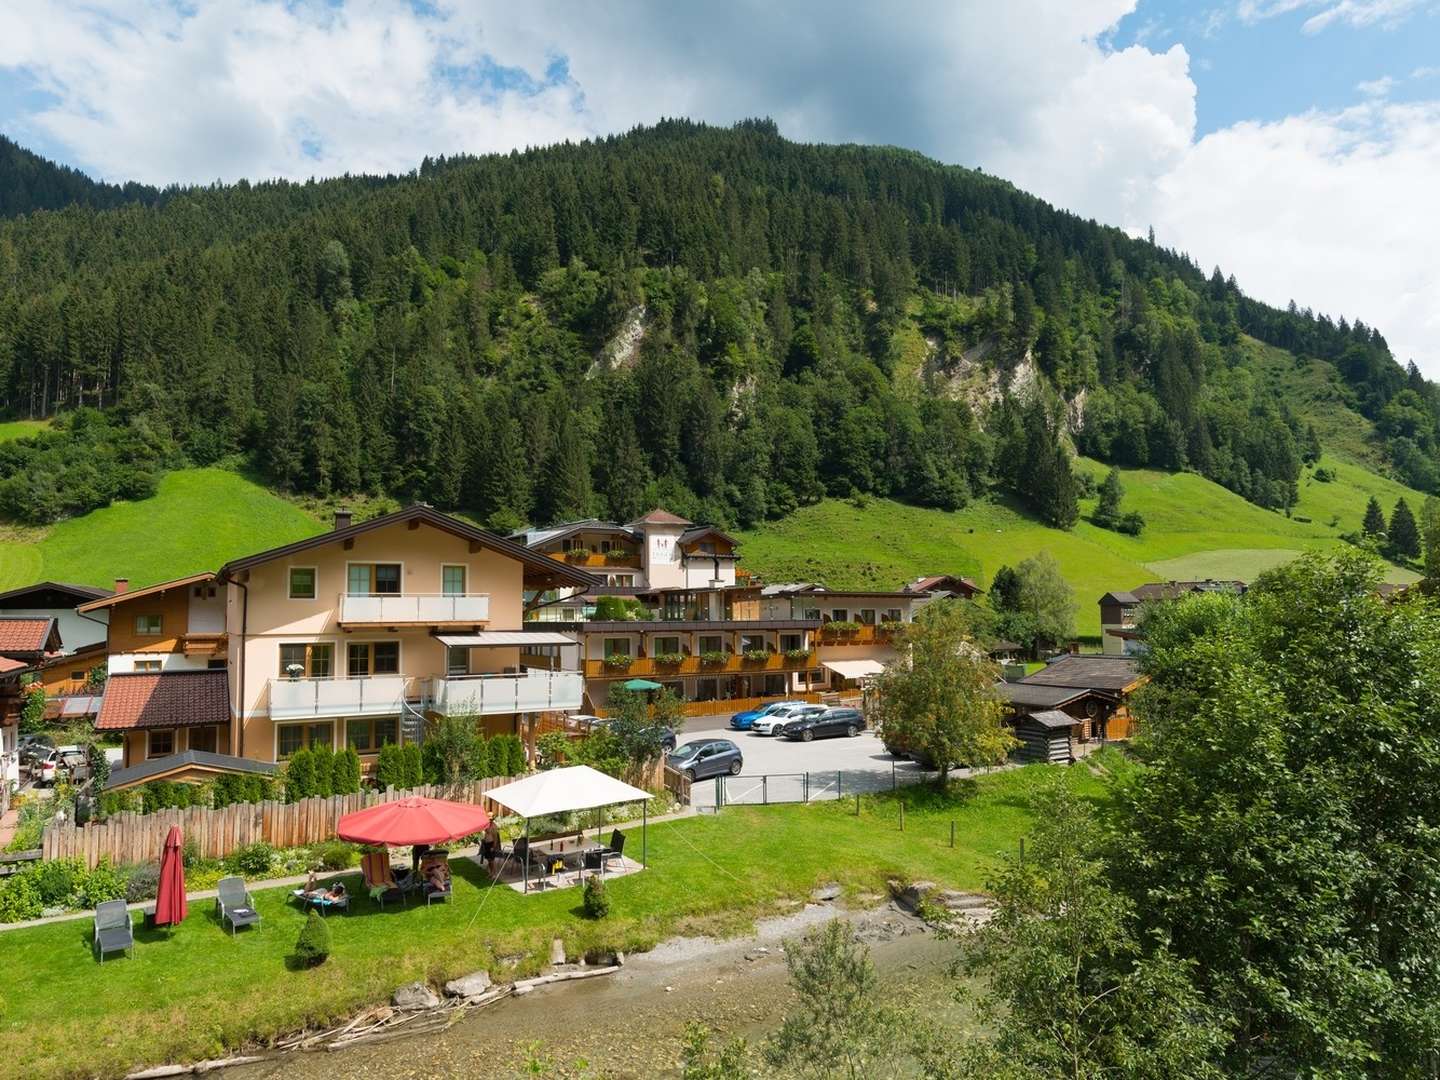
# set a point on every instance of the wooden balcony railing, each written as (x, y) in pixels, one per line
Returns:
(863, 634)
(736, 664)
(592, 561)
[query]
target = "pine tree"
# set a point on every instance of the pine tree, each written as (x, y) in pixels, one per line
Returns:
(1403, 534)
(1111, 492)
(1374, 524)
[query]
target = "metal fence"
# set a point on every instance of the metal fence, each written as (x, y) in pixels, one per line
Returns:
(805, 787)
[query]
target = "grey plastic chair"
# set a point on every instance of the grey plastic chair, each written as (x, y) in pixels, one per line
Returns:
(113, 930)
(233, 901)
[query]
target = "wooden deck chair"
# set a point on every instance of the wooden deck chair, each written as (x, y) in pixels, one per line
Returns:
(379, 878)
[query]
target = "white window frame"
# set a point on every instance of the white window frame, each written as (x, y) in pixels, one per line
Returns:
(314, 582)
(372, 563)
(464, 569)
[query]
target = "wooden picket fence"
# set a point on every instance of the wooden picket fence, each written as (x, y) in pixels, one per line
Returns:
(132, 838)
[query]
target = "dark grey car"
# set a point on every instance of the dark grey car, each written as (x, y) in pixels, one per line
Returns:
(705, 758)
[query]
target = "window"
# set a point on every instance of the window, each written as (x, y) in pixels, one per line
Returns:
(790, 641)
(457, 660)
(452, 580)
(867, 616)
(217, 663)
(369, 735)
(162, 743)
(147, 665)
(373, 579)
(302, 583)
(315, 660)
(774, 685)
(840, 614)
(292, 737)
(810, 613)
(706, 690)
(373, 658)
(204, 738)
(893, 615)
(617, 646)
(666, 645)
(81, 675)
(147, 625)
(712, 643)
(752, 641)
(203, 592)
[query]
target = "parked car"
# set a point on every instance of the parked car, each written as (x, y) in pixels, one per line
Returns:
(705, 758)
(590, 724)
(841, 720)
(773, 722)
(31, 747)
(743, 721)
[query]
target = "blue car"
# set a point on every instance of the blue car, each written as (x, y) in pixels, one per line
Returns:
(743, 721)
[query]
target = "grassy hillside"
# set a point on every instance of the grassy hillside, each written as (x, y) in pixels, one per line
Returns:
(18, 429)
(1195, 528)
(197, 520)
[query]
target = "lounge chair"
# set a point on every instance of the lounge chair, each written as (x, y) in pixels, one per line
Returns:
(615, 849)
(113, 931)
(431, 891)
(233, 902)
(379, 878)
(324, 902)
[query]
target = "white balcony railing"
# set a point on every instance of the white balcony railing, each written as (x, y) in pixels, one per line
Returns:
(486, 695)
(368, 695)
(391, 609)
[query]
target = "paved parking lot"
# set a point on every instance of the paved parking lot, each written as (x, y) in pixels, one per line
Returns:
(863, 760)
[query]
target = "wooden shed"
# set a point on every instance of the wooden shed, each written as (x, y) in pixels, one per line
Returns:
(1046, 735)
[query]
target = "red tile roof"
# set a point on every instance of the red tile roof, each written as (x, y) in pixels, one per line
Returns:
(164, 699)
(25, 635)
(7, 665)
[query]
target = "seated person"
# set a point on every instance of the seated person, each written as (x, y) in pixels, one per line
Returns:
(437, 875)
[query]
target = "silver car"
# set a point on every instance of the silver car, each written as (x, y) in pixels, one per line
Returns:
(774, 723)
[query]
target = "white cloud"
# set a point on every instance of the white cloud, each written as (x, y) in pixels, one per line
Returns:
(1353, 13)
(1320, 207)
(1376, 88)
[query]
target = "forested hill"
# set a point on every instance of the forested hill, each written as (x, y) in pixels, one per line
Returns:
(29, 182)
(715, 320)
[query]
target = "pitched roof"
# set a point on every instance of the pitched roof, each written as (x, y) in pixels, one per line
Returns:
(1049, 718)
(1169, 590)
(198, 761)
(8, 666)
(80, 593)
(28, 634)
(532, 537)
(135, 700)
(430, 516)
(1093, 671)
(661, 517)
(149, 590)
(934, 581)
(1029, 695)
(695, 532)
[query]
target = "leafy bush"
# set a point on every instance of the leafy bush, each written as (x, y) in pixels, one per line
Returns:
(204, 874)
(336, 855)
(142, 882)
(58, 880)
(597, 903)
(797, 654)
(118, 802)
(617, 609)
(840, 627)
(19, 898)
(618, 660)
(757, 656)
(480, 760)
(715, 657)
(507, 754)
(313, 946)
(1325, 475)
(324, 763)
(252, 860)
(167, 794)
(669, 659)
(347, 772)
(390, 767)
(553, 749)
(236, 788)
(300, 776)
(414, 769)
(103, 883)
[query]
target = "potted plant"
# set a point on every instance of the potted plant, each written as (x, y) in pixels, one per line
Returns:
(618, 661)
(797, 654)
(840, 628)
(669, 659)
(617, 555)
(715, 658)
(757, 656)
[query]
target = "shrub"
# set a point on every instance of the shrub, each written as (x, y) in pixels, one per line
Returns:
(480, 760)
(597, 903)
(58, 881)
(117, 802)
(233, 788)
(414, 770)
(19, 898)
(205, 874)
(313, 946)
(142, 882)
(1325, 475)
(347, 772)
(166, 795)
(99, 766)
(103, 883)
(324, 759)
(336, 855)
(300, 776)
(252, 860)
(390, 767)
(553, 749)
(508, 755)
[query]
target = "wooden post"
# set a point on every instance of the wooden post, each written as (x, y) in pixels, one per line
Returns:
(902, 817)
(952, 832)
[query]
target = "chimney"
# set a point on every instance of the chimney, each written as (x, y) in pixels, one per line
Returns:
(342, 517)
(121, 585)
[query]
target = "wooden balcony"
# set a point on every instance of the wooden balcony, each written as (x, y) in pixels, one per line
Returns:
(860, 635)
(623, 560)
(736, 664)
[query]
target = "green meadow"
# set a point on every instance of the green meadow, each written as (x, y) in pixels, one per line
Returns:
(1194, 528)
(18, 429)
(197, 520)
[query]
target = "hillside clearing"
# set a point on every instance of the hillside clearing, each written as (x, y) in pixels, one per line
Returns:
(197, 520)
(18, 429)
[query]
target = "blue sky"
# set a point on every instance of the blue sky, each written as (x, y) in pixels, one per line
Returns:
(1295, 143)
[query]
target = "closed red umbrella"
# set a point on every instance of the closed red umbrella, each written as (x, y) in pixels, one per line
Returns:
(170, 907)
(408, 822)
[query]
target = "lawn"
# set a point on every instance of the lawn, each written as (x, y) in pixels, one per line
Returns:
(202, 993)
(1194, 528)
(18, 429)
(197, 520)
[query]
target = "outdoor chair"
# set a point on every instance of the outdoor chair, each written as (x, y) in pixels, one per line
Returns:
(324, 903)
(113, 931)
(233, 902)
(433, 892)
(615, 849)
(380, 878)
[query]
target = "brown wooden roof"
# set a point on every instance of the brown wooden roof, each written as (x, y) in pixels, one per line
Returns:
(149, 590)
(1091, 672)
(661, 517)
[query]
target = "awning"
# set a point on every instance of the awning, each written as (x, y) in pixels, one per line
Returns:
(854, 669)
(511, 638)
(557, 791)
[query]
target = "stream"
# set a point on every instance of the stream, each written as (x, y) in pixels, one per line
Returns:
(631, 1024)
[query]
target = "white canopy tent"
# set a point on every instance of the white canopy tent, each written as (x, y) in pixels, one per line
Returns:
(854, 669)
(574, 787)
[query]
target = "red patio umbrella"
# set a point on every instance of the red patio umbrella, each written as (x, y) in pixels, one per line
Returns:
(408, 822)
(170, 904)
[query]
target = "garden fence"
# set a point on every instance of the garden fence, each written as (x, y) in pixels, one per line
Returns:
(133, 837)
(804, 787)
